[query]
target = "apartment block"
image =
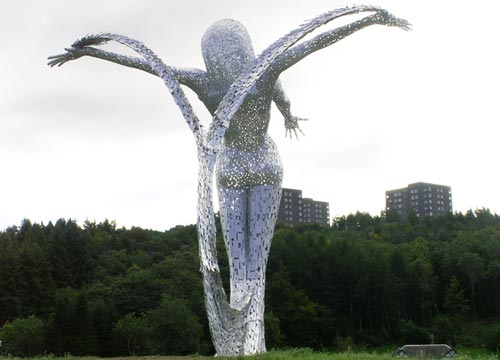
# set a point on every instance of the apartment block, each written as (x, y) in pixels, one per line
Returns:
(296, 210)
(423, 199)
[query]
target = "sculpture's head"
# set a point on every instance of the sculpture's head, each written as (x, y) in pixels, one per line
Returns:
(227, 49)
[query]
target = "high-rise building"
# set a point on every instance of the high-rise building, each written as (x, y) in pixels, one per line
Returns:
(295, 210)
(423, 199)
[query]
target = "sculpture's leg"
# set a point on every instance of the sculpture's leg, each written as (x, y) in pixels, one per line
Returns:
(263, 205)
(233, 212)
(248, 218)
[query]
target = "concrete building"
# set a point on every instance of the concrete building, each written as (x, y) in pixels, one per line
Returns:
(295, 210)
(423, 199)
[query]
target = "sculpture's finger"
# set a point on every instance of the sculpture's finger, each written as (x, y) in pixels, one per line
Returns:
(55, 60)
(70, 49)
(401, 23)
(405, 25)
(55, 56)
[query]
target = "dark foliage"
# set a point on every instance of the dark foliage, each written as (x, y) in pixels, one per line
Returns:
(370, 280)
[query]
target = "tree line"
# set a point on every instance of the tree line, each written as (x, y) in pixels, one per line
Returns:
(365, 281)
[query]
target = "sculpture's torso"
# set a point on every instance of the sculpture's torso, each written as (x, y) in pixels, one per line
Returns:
(248, 156)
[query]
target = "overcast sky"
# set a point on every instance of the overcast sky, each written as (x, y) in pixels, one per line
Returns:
(93, 140)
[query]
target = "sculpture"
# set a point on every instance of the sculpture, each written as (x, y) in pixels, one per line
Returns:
(237, 88)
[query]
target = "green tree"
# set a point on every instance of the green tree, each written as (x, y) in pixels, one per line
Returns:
(62, 327)
(274, 337)
(68, 253)
(302, 320)
(138, 291)
(23, 337)
(174, 329)
(83, 341)
(423, 279)
(413, 334)
(101, 329)
(35, 286)
(455, 302)
(401, 280)
(10, 276)
(492, 337)
(473, 267)
(132, 330)
(181, 276)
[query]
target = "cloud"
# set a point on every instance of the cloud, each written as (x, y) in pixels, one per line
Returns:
(386, 108)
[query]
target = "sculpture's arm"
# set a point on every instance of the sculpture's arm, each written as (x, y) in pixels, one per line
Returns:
(298, 52)
(261, 70)
(76, 52)
(195, 79)
(283, 104)
(154, 63)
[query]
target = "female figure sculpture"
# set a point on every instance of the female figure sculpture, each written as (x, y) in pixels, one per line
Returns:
(237, 88)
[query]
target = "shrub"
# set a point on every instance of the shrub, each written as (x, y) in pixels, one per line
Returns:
(174, 329)
(131, 330)
(274, 337)
(23, 337)
(413, 334)
(372, 337)
(345, 343)
(492, 337)
(445, 329)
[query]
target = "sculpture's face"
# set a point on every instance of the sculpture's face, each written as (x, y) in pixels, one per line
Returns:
(227, 50)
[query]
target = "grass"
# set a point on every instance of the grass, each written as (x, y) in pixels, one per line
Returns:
(306, 354)
(296, 354)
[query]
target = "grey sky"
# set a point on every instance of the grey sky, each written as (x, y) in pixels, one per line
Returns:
(93, 140)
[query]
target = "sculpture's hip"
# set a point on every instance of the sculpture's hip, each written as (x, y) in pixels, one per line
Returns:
(245, 168)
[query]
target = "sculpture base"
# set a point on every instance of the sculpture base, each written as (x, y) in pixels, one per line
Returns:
(426, 351)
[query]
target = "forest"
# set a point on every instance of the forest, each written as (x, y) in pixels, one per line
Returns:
(366, 281)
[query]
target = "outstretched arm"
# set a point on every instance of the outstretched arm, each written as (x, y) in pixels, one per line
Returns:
(154, 63)
(76, 52)
(265, 63)
(192, 78)
(283, 105)
(297, 53)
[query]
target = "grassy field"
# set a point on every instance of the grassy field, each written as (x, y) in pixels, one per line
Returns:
(297, 354)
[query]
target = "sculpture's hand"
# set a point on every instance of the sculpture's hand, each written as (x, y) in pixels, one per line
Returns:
(81, 48)
(386, 18)
(70, 54)
(292, 125)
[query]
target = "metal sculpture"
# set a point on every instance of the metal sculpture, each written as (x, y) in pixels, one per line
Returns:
(237, 88)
